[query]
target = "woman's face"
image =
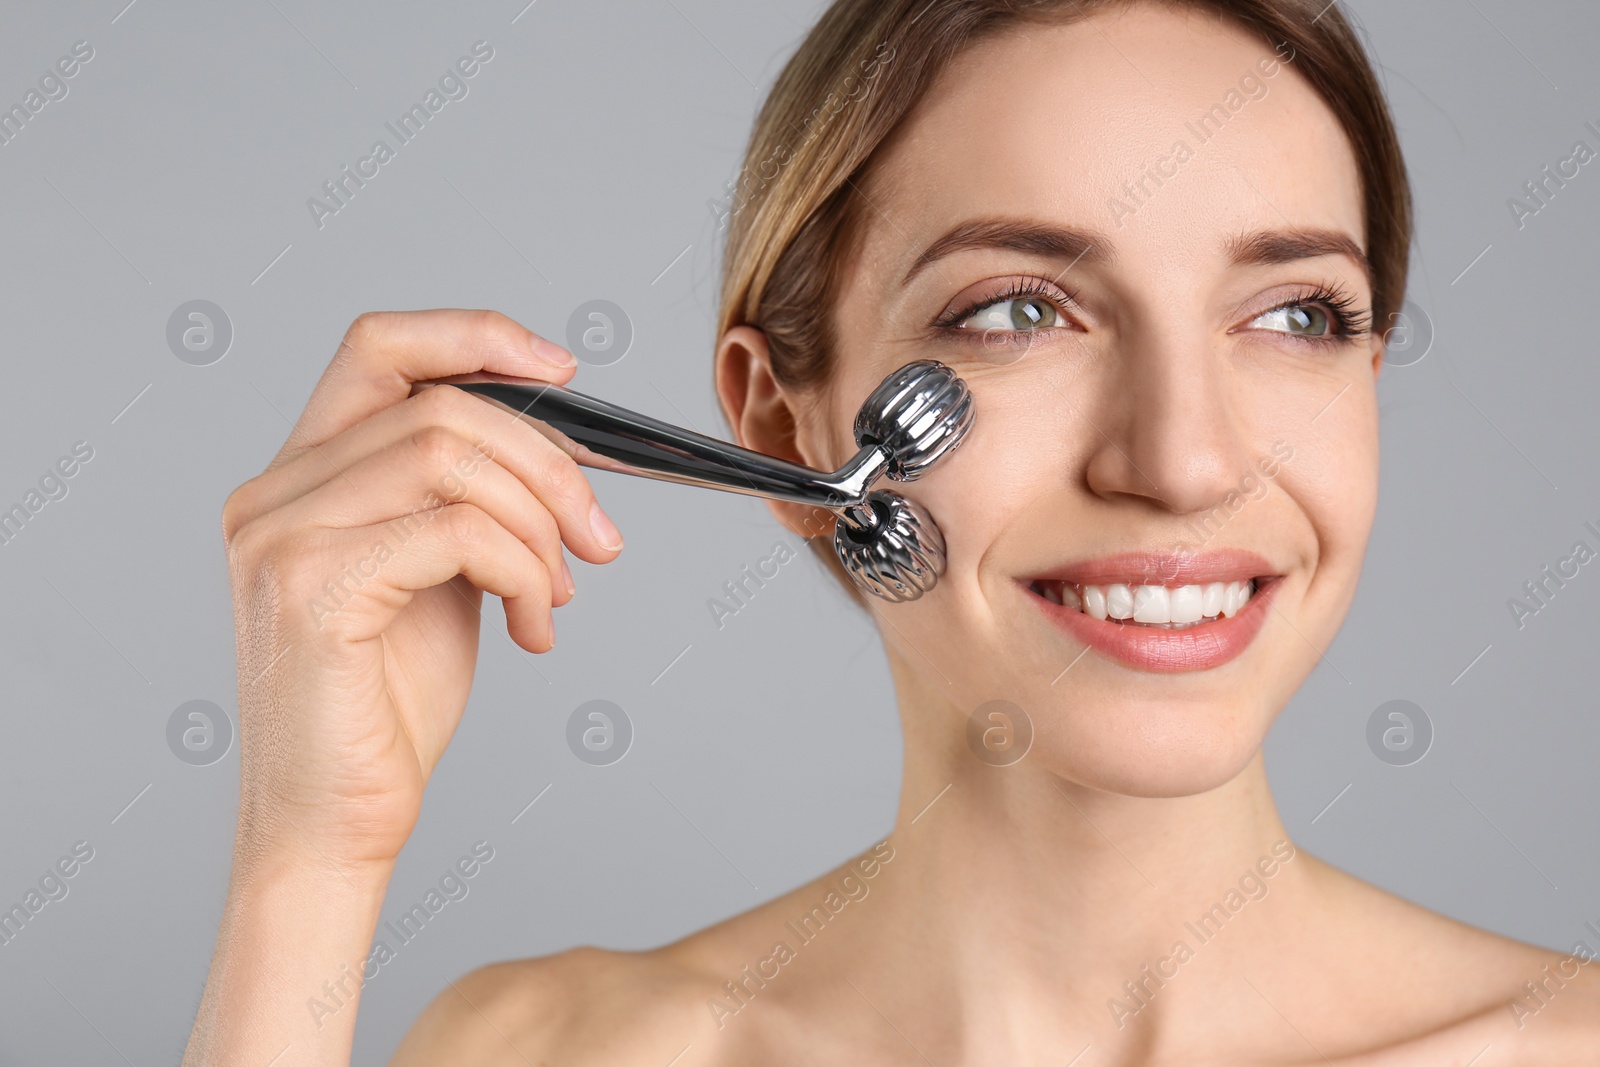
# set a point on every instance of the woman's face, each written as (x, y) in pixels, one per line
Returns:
(1138, 238)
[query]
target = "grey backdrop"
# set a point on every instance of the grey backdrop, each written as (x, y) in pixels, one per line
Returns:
(581, 166)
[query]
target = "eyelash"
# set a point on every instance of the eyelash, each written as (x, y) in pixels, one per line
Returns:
(1348, 320)
(1041, 288)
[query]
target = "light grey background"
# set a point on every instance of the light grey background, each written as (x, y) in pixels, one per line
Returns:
(580, 166)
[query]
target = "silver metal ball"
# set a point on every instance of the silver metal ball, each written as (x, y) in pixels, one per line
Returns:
(899, 559)
(918, 414)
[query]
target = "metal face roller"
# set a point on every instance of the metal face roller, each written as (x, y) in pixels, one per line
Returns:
(889, 545)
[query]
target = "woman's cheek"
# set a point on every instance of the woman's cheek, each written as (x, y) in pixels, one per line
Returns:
(989, 488)
(1340, 475)
(1332, 480)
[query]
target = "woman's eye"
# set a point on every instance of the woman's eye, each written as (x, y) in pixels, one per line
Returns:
(1018, 313)
(1307, 320)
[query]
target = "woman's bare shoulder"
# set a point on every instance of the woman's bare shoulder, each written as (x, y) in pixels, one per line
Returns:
(576, 1007)
(1462, 989)
(1534, 1018)
(669, 1005)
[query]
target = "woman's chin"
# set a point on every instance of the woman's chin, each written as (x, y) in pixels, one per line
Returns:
(1184, 752)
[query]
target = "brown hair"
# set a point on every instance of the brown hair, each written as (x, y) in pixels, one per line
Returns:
(865, 65)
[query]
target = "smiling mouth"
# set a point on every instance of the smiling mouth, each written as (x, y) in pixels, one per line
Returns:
(1201, 611)
(1155, 606)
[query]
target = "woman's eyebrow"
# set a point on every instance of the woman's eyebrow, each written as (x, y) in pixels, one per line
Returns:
(1018, 235)
(1285, 246)
(1075, 244)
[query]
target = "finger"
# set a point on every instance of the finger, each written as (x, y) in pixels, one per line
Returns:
(384, 352)
(375, 575)
(403, 486)
(545, 469)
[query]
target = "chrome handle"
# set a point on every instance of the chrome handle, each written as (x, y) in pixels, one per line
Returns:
(604, 436)
(889, 545)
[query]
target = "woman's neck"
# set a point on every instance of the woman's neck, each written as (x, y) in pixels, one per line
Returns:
(1019, 902)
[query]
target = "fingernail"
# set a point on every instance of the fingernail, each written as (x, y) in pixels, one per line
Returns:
(605, 531)
(552, 630)
(550, 352)
(566, 573)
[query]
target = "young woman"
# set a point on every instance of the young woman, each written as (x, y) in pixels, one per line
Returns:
(1160, 240)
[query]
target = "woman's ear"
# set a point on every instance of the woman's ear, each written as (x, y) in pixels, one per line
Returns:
(765, 418)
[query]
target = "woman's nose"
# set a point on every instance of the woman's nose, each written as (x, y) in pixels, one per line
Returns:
(1166, 426)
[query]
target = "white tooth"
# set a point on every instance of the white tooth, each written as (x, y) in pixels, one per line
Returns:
(1119, 602)
(1070, 597)
(1186, 603)
(1235, 599)
(1151, 603)
(1094, 601)
(1213, 598)
(1048, 590)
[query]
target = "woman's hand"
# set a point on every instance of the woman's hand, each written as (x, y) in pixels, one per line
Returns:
(357, 561)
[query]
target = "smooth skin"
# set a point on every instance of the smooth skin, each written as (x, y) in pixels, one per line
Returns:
(1008, 906)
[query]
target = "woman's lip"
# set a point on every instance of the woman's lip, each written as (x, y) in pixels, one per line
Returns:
(1164, 568)
(1151, 648)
